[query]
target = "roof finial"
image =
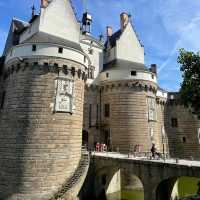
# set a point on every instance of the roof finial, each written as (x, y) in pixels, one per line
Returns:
(33, 10)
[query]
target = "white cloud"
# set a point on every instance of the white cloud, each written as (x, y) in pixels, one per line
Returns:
(181, 20)
(189, 39)
(3, 35)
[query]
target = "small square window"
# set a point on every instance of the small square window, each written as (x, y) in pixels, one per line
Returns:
(107, 75)
(133, 73)
(34, 48)
(91, 51)
(2, 99)
(60, 50)
(107, 110)
(46, 64)
(174, 122)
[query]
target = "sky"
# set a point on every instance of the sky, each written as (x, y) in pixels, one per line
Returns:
(163, 26)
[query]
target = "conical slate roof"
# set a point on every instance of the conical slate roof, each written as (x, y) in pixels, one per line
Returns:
(119, 64)
(41, 37)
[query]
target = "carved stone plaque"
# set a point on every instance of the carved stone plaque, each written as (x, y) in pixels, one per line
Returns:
(64, 95)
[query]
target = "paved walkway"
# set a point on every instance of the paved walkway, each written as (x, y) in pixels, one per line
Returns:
(168, 161)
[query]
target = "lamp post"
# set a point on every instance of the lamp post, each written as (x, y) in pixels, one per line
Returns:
(163, 139)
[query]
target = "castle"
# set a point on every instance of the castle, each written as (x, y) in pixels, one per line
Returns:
(61, 88)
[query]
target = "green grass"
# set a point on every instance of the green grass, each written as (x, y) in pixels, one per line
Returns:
(133, 195)
(127, 195)
(187, 186)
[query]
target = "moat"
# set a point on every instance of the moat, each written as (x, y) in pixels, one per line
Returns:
(186, 187)
(127, 195)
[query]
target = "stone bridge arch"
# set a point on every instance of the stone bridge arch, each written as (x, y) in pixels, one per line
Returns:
(103, 177)
(154, 175)
(107, 169)
(165, 188)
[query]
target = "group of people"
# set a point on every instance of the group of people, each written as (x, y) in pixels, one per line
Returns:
(101, 147)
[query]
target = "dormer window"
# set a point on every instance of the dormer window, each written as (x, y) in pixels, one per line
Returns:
(133, 73)
(34, 47)
(91, 51)
(60, 50)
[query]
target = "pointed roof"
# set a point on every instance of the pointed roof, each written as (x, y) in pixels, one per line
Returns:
(112, 39)
(41, 37)
(119, 64)
(16, 27)
(115, 36)
(58, 18)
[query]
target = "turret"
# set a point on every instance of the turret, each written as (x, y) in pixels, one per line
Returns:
(86, 23)
(43, 88)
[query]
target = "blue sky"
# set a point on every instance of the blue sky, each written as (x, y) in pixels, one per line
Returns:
(163, 26)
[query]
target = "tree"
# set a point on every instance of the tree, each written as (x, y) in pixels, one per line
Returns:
(190, 87)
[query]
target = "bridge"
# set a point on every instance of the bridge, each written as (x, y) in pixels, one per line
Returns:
(157, 176)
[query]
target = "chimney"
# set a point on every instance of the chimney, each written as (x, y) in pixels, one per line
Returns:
(109, 31)
(44, 3)
(153, 68)
(124, 19)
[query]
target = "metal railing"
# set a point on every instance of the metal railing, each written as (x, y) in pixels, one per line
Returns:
(74, 179)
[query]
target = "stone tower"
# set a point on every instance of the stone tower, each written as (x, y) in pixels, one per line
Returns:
(121, 110)
(42, 106)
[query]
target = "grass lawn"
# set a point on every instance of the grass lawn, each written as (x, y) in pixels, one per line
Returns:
(187, 186)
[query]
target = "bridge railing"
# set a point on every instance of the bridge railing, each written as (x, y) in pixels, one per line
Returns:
(134, 154)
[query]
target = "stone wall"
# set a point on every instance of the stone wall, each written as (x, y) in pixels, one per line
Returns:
(187, 128)
(92, 101)
(128, 121)
(39, 149)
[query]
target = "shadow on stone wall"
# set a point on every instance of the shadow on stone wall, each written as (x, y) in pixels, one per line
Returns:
(16, 131)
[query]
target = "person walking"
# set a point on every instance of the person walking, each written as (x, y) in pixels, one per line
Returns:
(153, 150)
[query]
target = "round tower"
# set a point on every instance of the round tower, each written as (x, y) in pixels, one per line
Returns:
(129, 108)
(41, 119)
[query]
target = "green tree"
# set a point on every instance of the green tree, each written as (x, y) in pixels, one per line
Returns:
(190, 87)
